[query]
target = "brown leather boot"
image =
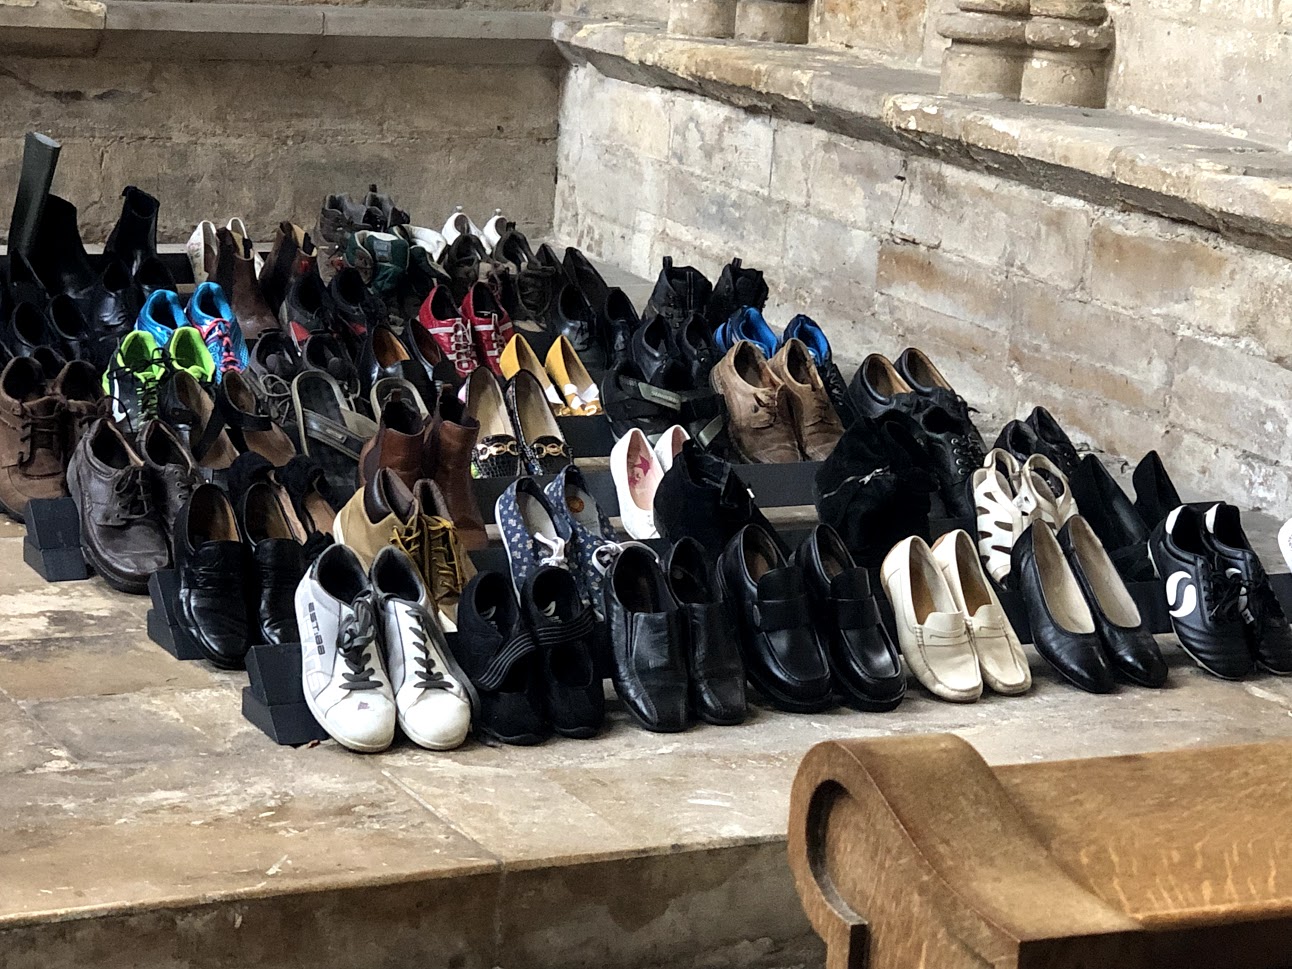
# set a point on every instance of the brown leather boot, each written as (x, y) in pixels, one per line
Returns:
(817, 425)
(235, 271)
(33, 463)
(451, 440)
(399, 444)
(760, 422)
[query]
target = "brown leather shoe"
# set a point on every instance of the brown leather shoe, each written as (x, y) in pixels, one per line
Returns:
(451, 440)
(235, 271)
(760, 422)
(83, 401)
(815, 422)
(398, 445)
(32, 439)
(379, 511)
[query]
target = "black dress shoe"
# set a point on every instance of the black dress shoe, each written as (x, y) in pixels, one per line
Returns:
(680, 293)
(278, 563)
(928, 381)
(1063, 630)
(716, 671)
(57, 253)
(878, 389)
(736, 288)
(646, 641)
(27, 329)
(584, 276)
(784, 658)
(385, 355)
(701, 497)
(618, 321)
(1053, 440)
(69, 329)
(1131, 649)
(1018, 439)
(865, 664)
(356, 307)
(565, 629)
(502, 660)
(655, 353)
(954, 456)
(1110, 512)
(110, 304)
(576, 322)
(1155, 494)
(152, 276)
(1268, 633)
(211, 560)
(695, 346)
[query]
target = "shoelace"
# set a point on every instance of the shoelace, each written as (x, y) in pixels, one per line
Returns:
(1223, 594)
(40, 432)
(358, 642)
(1261, 602)
(428, 675)
(604, 558)
(555, 550)
(433, 545)
(220, 330)
(133, 495)
(967, 453)
(276, 394)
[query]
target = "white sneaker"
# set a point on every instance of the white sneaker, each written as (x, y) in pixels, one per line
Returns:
(202, 249)
(1000, 655)
(433, 697)
(239, 230)
(342, 669)
(636, 472)
(428, 239)
(493, 230)
(669, 446)
(931, 629)
(1044, 493)
(459, 224)
(1001, 519)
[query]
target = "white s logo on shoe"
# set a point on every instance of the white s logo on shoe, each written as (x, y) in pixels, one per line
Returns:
(1184, 604)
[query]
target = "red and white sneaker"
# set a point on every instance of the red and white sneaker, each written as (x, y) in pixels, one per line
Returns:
(451, 332)
(490, 325)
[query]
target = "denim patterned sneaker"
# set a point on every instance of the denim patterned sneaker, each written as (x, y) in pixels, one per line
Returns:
(590, 528)
(210, 312)
(533, 531)
(161, 316)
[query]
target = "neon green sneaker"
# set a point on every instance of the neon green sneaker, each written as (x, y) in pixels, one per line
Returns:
(187, 351)
(133, 379)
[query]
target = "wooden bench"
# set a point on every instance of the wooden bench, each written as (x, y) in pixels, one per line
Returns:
(913, 853)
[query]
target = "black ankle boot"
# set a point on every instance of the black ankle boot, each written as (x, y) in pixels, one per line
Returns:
(134, 237)
(58, 255)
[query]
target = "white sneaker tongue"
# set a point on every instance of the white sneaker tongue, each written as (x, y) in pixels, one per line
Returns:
(950, 623)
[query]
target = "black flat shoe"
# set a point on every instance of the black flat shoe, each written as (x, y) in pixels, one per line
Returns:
(716, 671)
(211, 560)
(878, 389)
(703, 498)
(566, 632)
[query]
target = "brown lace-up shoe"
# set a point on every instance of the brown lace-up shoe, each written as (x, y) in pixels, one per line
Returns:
(431, 540)
(815, 422)
(32, 438)
(760, 422)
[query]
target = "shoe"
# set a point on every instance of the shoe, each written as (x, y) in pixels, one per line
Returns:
(243, 238)
(618, 321)
(878, 389)
(533, 532)
(1063, 628)
(736, 288)
(382, 208)
(449, 444)
(381, 259)
(434, 699)
(32, 438)
(80, 390)
(161, 316)
(503, 662)
(490, 326)
(51, 361)
(370, 520)
(715, 671)
(669, 446)
(248, 427)
(575, 322)
(585, 278)
(173, 472)
(590, 533)
(70, 330)
(444, 322)
(122, 534)
(747, 324)
(202, 250)
(384, 355)
(152, 276)
(1155, 494)
(460, 224)
(864, 663)
(931, 627)
(648, 652)
(680, 293)
(571, 379)
(397, 445)
(134, 238)
(542, 445)
(1044, 493)
(1000, 518)
(133, 380)
(520, 356)
(236, 275)
(430, 538)
(784, 657)
(430, 241)
(191, 412)
(697, 350)
(816, 425)
(341, 216)
(310, 497)
(636, 473)
(465, 262)
(343, 672)
(110, 306)
(28, 329)
(761, 422)
(1114, 519)
(654, 351)
(186, 351)
(325, 353)
(1019, 440)
(1052, 441)
(702, 497)
(222, 334)
(211, 561)
(1268, 633)
(1130, 648)
(292, 255)
(565, 627)
(307, 310)
(953, 456)
(356, 307)
(497, 454)
(279, 560)
(927, 381)
(805, 328)
(1001, 659)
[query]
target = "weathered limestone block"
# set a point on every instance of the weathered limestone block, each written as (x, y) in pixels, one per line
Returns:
(1069, 58)
(702, 18)
(987, 53)
(778, 21)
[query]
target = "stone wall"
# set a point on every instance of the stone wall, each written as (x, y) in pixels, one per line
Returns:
(1138, 332)
(268, 141)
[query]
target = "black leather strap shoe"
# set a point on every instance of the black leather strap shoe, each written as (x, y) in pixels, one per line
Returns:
(717, 673)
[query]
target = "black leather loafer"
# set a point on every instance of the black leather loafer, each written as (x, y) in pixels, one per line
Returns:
(717, 673)
(276, 540)
(211, 560)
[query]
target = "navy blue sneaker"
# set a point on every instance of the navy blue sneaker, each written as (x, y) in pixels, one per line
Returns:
(591, 530)
(747, 324)
(534, 533)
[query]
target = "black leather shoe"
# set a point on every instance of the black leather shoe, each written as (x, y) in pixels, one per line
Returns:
(784, 658)
(110, 304)
(27, 329)
(716, 671)
(576, 322)
(680, 293)
(502, 660)
(655, 352)
(565, 630)
(696, 348)
(878, 389)
(584, 277)
(1019, 440)
(1053, 440)
(69, 329)
(701, 497)
(617, 321)
(736, 288)
(1131, 649)
(1268, 633)
(649, 653)
(384, 355)
(122, 534)
(211, 560)
(954, 456)
(278, 563)
(928, 381)
(134, 237)
(865, 664)
(1111, 514)
(1204, 600)
(1155, 494)
(173, 472)
(1063, 630)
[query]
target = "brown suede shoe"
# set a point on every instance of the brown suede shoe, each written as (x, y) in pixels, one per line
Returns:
(33, 463)
(760, 422)
(378, 512)
(451, 440)
(815, 422)
(399, 444)
(235, 271)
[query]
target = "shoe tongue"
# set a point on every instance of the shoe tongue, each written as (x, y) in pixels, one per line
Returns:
(945, 622)
(850, 584)
(782, 583)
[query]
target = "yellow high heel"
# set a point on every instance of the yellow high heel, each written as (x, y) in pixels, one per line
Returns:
(572, 379)
(518, 355)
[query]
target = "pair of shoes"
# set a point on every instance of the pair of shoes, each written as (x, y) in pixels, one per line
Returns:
(1009, 497)
(676, 359)
(1040, 434)
(779, 412)
(1084, 622)
(203, 248)
(59, 326)
(373, 655)
(529, 655)
(908, 385)
(566, 383)
(683, 293)
(518, 431)
(1222, 607)
(637, 469)
(673, 656)
(951, 626)
(470, 334)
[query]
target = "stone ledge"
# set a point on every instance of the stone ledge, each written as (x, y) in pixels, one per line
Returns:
(160, 30)
(1239, 188)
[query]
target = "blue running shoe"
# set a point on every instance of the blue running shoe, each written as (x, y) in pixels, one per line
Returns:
(747, 324)
(161, 316)
(210, 312)
(806, 329)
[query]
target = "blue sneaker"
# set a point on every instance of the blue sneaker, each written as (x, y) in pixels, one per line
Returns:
(534, 533)
(210, 312)
(747, 324)
(161, 316)
(806, 329)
